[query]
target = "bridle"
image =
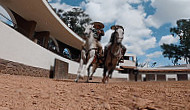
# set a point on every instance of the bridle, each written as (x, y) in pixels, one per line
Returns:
(117, 34)
(118, 54)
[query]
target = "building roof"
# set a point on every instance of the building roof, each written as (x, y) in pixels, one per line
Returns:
(128, 67)
(47, 20)
(178, 68)
(165, 70)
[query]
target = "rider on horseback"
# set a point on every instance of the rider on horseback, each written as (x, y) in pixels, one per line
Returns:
(91, 50)
(111, 42)
(99, 32)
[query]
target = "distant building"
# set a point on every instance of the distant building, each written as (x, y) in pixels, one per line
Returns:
(166, 73)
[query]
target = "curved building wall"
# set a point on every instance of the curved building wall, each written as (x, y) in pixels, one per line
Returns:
(16, 47)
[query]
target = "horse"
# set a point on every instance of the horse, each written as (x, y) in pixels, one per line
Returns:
(88, 55)
(113, 54)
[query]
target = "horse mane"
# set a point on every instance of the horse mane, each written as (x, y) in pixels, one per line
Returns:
(112, 37)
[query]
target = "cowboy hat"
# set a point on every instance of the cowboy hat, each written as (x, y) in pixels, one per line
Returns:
(96, 24)
(114, 27)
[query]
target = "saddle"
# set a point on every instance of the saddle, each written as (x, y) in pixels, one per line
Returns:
(98, 58)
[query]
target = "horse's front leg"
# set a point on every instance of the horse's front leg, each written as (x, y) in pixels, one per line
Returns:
(91, 58)
(79, 70)
(109, 75)
(83, 57)
(94, 67)
(104, 74)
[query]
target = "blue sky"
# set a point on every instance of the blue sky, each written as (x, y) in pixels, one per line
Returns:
(146, 22)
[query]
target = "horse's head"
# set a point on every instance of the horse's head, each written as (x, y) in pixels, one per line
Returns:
(118, 33)
(88, 30)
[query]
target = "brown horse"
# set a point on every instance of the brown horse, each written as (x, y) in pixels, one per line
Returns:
(114, 53)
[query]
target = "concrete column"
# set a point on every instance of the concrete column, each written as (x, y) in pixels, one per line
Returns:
(166, 77)
(31, 28)
(142, 77)
(155, 77)
(46, 39)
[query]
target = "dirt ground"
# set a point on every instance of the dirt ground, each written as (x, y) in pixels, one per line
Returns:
(36, 93)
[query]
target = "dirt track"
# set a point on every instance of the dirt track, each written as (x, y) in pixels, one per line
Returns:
(34, 93)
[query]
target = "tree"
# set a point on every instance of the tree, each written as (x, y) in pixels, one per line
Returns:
(75, 19)
(177, 52)
(173, 52)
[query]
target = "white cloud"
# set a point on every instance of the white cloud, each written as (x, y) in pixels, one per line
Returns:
(140, 46)
(154, 55)
(137, 37)
(57, 4)
(168, 39)
(168, 11)
(106, 37)
(103, 10)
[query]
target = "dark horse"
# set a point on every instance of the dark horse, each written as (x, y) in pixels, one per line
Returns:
(114, 53)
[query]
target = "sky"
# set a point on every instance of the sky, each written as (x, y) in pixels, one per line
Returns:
(147, 23)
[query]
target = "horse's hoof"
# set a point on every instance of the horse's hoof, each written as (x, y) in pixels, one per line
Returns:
(103, 81)
(76, 80)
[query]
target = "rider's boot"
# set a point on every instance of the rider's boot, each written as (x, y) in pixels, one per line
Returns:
(123, 54)
(100, 55)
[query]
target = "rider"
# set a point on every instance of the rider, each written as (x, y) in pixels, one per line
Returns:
(112, 40)
(99, 32)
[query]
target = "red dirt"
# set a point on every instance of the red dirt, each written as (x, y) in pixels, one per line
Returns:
(35, 93)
